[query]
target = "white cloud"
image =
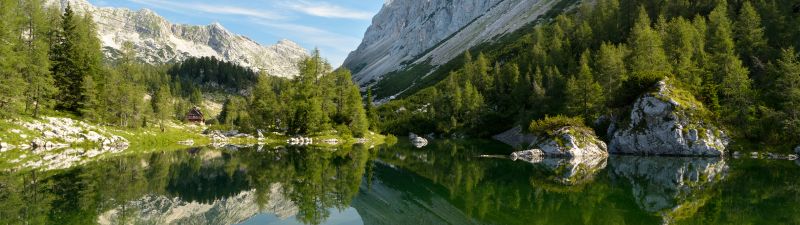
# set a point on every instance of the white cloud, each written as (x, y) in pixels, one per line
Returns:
(194, 8)
(328, 10)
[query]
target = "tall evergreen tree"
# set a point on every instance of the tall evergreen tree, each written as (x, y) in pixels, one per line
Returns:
(787, 70)
(40, 86)
(730, 74)
(749, 34)
(12, 83)
(162, 106)
(584, 94)
(647, 51)
(66, 63)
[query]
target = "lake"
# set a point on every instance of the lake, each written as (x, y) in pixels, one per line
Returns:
(443, 183)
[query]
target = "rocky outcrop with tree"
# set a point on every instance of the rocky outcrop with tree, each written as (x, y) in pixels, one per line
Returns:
(668, 121)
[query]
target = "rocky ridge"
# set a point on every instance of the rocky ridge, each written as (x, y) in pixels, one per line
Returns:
(668, 121)
(156, 40)
(409, 32)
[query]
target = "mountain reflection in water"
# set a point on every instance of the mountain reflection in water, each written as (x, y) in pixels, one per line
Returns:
(442, 183)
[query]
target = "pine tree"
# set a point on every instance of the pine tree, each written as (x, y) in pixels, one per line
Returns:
(162, 106)
(40, 86)
(749, 34)
(66, 63)
(12, 83)
(610, 67)
(680, 42)
(584, 95)
(730, 74)
(263, 102)
(359, 124)
(787, 70)
(647, 52)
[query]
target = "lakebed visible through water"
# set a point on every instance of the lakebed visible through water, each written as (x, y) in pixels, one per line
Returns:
(445, 182)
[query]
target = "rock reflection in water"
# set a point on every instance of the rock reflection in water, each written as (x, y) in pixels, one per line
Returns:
(672, 186)
(573, 170)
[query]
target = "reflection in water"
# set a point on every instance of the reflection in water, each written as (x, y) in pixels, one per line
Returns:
(443, 183)
(676, 187)
(574, 170)
(199, 186)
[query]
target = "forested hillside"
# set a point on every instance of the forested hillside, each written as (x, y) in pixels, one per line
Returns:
(52, 64)
(738, 58)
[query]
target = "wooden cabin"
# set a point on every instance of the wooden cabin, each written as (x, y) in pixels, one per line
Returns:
(195, 115)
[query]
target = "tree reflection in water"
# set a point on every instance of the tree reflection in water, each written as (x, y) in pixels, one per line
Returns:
(442, 183)
(135, 189)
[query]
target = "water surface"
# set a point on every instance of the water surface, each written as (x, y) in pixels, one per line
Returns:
(443, 183)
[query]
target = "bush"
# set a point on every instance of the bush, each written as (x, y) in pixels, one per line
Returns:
(548, 125)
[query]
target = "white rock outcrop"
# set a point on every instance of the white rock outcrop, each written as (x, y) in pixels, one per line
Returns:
(156, 40)
(667, 121)
(407, 32)
(566, 142)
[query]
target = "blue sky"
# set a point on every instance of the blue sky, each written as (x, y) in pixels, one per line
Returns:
(334, 26)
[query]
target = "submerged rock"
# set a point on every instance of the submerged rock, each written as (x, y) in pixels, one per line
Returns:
(668, 121)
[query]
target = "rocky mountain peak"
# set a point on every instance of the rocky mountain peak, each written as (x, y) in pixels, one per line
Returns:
(157, 41)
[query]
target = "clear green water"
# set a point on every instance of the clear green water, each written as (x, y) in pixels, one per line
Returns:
(444, 183)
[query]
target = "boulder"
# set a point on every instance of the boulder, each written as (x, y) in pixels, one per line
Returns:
(667, 121)
(568, 141)
(797, 150)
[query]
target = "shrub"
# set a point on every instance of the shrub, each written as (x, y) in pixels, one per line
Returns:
(548, 125)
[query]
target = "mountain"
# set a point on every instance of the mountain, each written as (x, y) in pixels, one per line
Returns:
(406, 33)
(156, 40)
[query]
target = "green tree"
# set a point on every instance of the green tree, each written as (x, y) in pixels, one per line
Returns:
(584, 95)
(787, 70)
(749, 34)
(610, 67)
(66, 58)
(36, 69)
(263, 103)
(162, 105)
(730, 74)
(647, 51)
(12, 84)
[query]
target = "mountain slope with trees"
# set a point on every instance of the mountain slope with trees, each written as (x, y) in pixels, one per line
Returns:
(738, 58)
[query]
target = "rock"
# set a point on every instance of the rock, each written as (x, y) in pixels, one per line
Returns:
(668, 122)
(231, 133)
(332, 141)
(188, 142)
(571, 141)
(797, 150)
(260, 135)
(515, 137)
(419, 142)
(533, 155)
